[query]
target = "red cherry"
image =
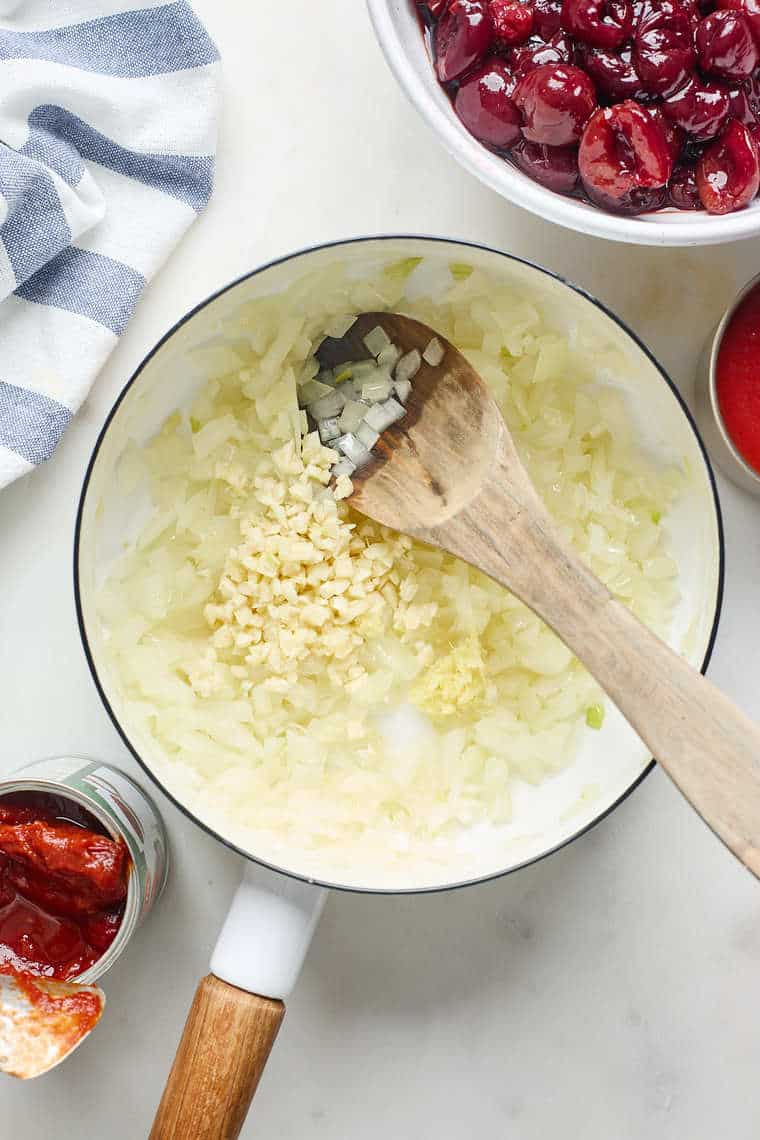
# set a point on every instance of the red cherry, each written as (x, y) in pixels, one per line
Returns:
(555, 167)
(623, 155)
(728, 173)
(601, 23)
(663, 52)
(726, 46)
(754, 133)
(614, 73)
(699, 108)
(461, 37)
(484, 104)
(547, 18)
(744, 101)
(527, 77)
(751, 88)
(682, 189)
(512, 21)
(674, 136)
(647, 7)
(692, 8)
(556, 101)
(536, 53)
(750, 8)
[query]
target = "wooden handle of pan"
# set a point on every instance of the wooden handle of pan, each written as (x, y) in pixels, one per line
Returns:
(225, 1045)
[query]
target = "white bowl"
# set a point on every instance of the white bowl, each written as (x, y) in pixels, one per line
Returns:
(611, 761)
(398, 30)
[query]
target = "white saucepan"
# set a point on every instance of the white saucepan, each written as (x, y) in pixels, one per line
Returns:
(238, 1007)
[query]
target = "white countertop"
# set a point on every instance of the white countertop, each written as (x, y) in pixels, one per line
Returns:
(608, 993)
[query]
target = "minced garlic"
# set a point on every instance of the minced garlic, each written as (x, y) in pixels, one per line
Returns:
(306, 588)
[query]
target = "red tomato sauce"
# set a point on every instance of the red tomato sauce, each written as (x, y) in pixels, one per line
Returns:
(63, 887)
(70, 1016)
(738, 378)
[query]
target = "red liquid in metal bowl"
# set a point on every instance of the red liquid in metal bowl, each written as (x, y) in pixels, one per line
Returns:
(738, 378)
(63, 887)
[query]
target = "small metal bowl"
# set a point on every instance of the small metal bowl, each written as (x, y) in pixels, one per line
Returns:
(719, 443)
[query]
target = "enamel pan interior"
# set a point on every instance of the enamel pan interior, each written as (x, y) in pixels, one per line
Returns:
(611, 762)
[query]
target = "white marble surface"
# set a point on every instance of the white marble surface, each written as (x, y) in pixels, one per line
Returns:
(608, 993)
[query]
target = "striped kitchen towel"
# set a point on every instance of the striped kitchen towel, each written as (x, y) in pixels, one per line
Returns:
(107, 136)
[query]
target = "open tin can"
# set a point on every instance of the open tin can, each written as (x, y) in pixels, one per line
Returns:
(124, 810)
(708, 414)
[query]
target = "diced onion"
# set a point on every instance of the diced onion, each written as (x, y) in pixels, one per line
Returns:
(389, 356)
(361, 369)
(312, 391)
(339, 326)
(408, 366)
(375, 391)
(367, 436)
(434, 353)
(377, 340)
(329, 429)
(403, 390)
(353, 449)
(381, 416)
(346, 391)
(352, 415)
(326, 406)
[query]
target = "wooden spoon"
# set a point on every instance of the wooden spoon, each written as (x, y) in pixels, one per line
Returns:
(449, 474)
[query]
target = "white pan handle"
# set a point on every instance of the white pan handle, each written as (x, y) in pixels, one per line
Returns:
(267, 932)
(238, 1007)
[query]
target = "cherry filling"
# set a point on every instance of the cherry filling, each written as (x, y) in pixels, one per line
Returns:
(462, 35)
(512, 22)
(726, 46)
(674, 136)
(624, 157)
(750, 8)
(663, 51)
(614, 73)
(683, 190)
(601, 23)
(700, 109)
(556, 102)
(537, 52)
(547, 18)
(728, 173)
(485, 105)
(555, 167)
(636, 104)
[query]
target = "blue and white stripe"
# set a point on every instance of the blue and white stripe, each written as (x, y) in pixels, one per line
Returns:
(107, 139)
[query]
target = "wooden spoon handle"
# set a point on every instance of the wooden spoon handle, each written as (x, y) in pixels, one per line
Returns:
(707, 745)
(225, 1045)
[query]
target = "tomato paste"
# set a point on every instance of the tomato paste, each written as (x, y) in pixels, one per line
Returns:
(63, 886)
(738, 378)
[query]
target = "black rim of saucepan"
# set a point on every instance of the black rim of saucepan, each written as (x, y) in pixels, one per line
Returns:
(343, 243)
